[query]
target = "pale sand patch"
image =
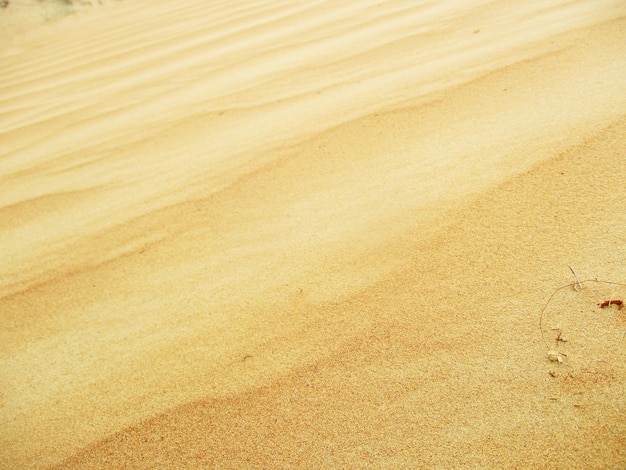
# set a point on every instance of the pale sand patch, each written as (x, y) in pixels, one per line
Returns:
(26, 17)
(299, 230)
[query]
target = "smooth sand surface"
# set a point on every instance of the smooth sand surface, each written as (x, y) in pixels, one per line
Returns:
(278, 234)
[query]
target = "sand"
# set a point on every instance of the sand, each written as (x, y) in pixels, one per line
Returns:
(255, 234)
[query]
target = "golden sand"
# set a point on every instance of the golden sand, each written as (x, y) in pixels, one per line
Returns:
(254, 234)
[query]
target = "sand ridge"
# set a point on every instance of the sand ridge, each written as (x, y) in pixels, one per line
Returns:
(215, 152)
(204, 208)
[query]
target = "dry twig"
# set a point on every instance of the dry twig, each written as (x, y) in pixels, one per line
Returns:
(577, 285)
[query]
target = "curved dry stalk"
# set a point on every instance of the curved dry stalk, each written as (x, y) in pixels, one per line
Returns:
(577, 285)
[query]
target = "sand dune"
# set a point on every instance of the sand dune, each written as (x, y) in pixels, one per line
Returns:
(257, 234)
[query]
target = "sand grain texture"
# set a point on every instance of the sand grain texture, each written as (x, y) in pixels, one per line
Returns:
(313, 235)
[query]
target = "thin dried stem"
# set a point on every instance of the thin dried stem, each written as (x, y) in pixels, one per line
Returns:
(577, 285)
